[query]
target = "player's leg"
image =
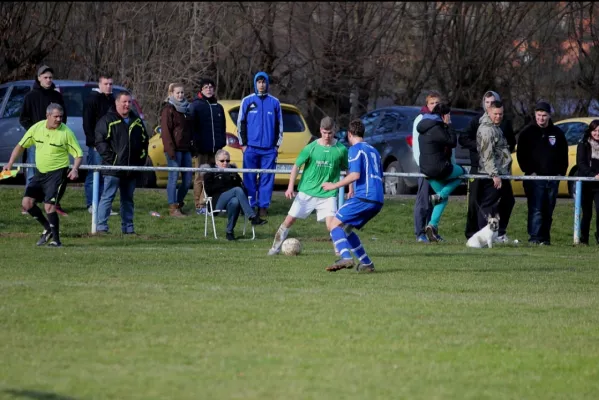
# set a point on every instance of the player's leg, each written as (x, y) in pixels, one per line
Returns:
(34, 193)
(54, 186)
(302, 207)
(326, 208)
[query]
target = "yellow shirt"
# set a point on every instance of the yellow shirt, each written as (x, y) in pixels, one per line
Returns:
(52, 146)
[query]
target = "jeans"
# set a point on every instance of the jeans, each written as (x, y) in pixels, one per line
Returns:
(176, 194)
(423, 208)
(444, 188)
(126, 187)
(234, 200)
(30, 160)
(259, 188)
(541, 198)
(93, 158)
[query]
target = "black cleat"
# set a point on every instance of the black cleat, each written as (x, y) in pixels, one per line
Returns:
(46, 236)
(54, 243)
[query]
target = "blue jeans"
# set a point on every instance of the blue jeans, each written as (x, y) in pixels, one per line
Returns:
(423, 209)
(126, 187)
(444, 188)
(93, 158)
(260, 189)
(541, 198)
(30, 160)
(234, 200)
(176, 194)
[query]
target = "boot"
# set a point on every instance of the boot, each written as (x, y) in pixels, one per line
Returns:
(173, 211)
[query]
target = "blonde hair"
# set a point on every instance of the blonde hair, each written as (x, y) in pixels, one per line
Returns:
(171, 88)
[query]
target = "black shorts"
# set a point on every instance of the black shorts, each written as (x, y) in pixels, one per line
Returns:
(48, 187)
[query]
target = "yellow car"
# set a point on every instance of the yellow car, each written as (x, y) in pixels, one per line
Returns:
(574, 129)
(295, 136)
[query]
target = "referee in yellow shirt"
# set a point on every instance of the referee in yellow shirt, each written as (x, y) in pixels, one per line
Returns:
(54, 141)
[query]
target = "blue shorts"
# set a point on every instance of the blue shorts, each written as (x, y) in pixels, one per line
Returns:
(357, 213)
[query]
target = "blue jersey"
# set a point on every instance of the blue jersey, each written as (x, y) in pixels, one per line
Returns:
(364, 159)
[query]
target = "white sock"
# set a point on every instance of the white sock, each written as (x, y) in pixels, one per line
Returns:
(280, 237)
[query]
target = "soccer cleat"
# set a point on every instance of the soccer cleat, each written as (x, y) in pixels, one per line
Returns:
(273, 252)
(365, 267)
(431, 233)
(421, 238)
(435, 199)
(342, 263)
(46, 235)
(54, 243)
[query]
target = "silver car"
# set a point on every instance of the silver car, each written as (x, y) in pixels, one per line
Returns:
(73, 93)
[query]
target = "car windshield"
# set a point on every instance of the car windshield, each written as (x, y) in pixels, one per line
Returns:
(292, 121)
(74, 98)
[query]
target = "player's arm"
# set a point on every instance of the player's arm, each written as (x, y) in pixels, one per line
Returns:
(16, 153)
(292, 177)
(349, 179)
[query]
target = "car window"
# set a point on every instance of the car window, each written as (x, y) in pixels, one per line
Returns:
(292, 121)
(460, 121)
(2, 94)
(388, 123)
(15, 101)
(406, 119)
(573, 131)
(74, 98)
(370, 122)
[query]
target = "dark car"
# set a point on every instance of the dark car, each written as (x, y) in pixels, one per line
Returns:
(389, 130)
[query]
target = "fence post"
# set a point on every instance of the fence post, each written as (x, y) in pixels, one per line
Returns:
(95, 200)
(577, 207)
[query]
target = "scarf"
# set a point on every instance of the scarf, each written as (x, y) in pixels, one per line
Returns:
(594, 148)
(181, 106)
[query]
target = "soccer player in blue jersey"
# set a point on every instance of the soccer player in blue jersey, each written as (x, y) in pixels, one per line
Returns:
(366, 174)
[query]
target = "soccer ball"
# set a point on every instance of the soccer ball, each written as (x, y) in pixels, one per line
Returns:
(291, 247)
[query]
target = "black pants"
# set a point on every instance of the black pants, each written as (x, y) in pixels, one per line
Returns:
(589, 194)
(474, 214)
(496, 201)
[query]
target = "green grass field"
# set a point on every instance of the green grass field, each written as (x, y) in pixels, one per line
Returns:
(169, 314)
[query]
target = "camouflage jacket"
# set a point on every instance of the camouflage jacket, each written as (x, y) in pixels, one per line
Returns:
(493, 149)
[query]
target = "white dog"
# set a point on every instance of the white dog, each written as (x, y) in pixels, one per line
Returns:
(487, 235)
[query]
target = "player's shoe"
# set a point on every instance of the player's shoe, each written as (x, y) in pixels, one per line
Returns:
(273, 252)
(54, 243)
(365, 267)
(46, 236)
(342, 263)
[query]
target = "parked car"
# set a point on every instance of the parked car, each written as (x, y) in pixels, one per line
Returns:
(574, 129)
(295, 136)
(389, 130)
(74, 94)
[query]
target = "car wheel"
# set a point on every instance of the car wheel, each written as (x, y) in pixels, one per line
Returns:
(147, 179)
(395, 184)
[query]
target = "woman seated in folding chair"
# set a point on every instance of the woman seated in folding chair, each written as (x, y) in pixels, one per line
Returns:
(228, 193)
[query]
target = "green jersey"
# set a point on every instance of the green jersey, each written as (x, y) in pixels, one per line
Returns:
(321, 164)
(52, 146)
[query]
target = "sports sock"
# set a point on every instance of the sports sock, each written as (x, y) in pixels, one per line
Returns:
(280, 237)
(341, 244)
(358, 249)
(37, 214)
(53, 218)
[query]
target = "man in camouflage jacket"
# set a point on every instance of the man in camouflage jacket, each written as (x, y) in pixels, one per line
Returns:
(495, 159)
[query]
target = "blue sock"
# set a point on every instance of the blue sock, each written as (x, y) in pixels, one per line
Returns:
(341, 243)
(357, 249)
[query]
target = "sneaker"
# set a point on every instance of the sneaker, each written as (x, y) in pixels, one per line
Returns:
(113, 213)
(231, 236)
(502, 239)
(46, 235)
(435, 199)
(256, 220)
(342, 263)
(440, 238)
(273, 252)
(60, 211)
(54, 243)
(365, 267)
(201, 211)
(421, 238)
(431, 233)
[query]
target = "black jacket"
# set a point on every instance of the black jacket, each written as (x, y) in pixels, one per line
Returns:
(586, 165)
(436, 141)
(36, 102)
(543, 151)
(96, 106)
(468, 139)
(216, 183)
(209, 126)
(121, 144)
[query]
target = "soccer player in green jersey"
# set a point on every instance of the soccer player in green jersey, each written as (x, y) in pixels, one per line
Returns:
(323, 161)
(54, 142)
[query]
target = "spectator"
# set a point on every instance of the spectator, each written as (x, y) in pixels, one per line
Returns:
(542, 150)
(121, 140)
(495, 158)
(176, 126)
(423, 208)
(260, 130)
(436, 142)
(96, 106)
(587, 164)
(209, 129)
(228, 193)
(55, 142)
(34, 108)
(468, 141)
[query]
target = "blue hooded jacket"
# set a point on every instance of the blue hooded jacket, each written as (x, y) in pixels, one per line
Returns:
(260, 120)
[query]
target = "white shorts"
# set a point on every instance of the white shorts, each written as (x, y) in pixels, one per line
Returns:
(303, 205)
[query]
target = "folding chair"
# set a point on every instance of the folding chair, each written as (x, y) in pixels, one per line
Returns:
(210, 211)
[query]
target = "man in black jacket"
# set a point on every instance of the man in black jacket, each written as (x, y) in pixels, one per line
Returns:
(96, 106)
(208, 136)
(468, 141)
(34, 108)
(121, 140)
(542, 150)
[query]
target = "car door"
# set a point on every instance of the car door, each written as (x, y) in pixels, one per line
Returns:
(11, 130)
(386, 138)
(371, 122)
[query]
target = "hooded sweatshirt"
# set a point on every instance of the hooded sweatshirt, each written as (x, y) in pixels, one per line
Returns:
(495, 157)
(415, 145)
(96, 106)
(542, 151)
(468, 139)
(260, 120)
(36, 102)
(434, 140)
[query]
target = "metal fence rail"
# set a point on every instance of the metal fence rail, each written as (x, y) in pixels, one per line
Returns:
(97, 168)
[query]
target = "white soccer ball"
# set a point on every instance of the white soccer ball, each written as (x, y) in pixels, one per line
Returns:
(291, 247)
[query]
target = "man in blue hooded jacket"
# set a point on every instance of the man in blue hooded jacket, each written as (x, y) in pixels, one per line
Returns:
(260, 131)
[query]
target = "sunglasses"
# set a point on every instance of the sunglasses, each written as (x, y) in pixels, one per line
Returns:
(224, 160)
